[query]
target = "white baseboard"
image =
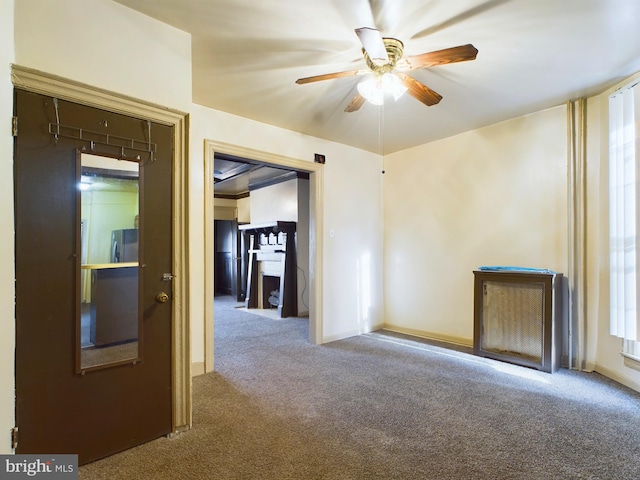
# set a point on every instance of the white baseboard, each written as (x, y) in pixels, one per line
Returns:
(618, 378)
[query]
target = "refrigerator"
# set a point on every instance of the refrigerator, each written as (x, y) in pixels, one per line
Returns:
(124, 245)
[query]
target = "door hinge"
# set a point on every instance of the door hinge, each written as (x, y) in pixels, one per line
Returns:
(14, 126)
(14, 437)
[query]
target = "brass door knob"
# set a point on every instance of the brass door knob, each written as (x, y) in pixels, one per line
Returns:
(162, 297)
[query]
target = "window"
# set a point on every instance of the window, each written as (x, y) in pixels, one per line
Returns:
(624, 207)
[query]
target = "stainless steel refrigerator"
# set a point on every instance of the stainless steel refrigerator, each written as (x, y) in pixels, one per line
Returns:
(124, 245)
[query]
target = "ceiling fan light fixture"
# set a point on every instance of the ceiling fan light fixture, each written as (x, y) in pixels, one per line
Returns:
(374, 88)
(384, 57)
(371, 89)
(393, 85)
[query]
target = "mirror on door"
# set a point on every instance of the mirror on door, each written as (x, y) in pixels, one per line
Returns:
(108, 327)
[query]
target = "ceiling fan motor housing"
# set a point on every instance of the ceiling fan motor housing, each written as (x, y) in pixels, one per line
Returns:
(394, 49)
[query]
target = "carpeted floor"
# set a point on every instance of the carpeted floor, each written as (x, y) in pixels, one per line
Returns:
(384, 406)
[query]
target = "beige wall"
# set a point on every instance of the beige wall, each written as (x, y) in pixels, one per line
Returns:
(7, 291)
(275, 203)
(225, 209)
(104, 44)
(244, 210)
(493, 196)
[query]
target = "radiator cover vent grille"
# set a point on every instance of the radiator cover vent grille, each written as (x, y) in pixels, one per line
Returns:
(517, 318)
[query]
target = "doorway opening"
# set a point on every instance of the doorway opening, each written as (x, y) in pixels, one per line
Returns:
(261, 237)
(273, 174)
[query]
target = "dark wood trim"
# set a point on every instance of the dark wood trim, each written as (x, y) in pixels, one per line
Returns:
(231, 197)
(264, 183)
(272, 181)
(279, 179)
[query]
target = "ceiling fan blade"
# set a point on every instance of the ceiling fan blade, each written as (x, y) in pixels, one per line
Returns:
(371, 40)
(419, 91)
(355, 104)
(386, 14)
(330, 76)
(461, 53)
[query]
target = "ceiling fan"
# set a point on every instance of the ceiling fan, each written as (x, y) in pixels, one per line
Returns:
(384, 60)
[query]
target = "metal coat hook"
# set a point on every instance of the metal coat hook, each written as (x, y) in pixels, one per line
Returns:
(128, 148)
(55, 104)
(151, 158)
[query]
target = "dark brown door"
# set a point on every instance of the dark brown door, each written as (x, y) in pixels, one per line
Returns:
(236, 262)
(62, 404)
(224, 258)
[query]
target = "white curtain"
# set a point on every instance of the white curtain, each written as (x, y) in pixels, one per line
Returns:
(624, 206)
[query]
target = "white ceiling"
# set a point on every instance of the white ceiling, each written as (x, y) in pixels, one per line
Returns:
(533, 54)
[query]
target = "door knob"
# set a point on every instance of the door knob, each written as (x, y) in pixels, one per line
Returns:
(162, 297)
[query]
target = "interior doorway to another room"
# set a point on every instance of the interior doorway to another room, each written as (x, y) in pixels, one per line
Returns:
(261, 236)
(283, 192)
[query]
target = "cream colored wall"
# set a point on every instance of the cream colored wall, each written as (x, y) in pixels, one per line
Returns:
(275, 203)
(244, 210)
(7, 264)
(493, 196)
(225, 202)
(104, 44)
(225, 209)
(352, 209)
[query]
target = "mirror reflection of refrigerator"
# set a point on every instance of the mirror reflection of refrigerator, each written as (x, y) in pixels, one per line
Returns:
(124, 245)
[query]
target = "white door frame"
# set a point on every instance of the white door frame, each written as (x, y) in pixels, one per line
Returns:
(46, 84)
(316, 202)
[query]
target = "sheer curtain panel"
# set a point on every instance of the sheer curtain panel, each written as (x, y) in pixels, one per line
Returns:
(624, 206)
